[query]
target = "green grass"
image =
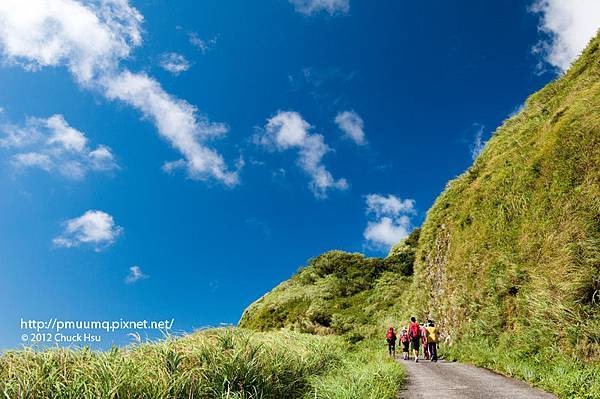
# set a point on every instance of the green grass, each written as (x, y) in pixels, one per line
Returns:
(338, 293)
(366, 372)
(218, 363)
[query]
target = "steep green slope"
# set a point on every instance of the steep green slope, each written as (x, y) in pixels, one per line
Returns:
(337, 293)
(508, 259)
(511, 249)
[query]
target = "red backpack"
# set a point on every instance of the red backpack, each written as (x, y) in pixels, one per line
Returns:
(414, 330)
(391, 335)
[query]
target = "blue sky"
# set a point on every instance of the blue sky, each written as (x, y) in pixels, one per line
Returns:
(177, 160)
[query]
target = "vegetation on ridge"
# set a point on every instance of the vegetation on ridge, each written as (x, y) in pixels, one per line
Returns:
(338, 293)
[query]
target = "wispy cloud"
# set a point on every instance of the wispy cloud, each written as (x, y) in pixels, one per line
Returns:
(516, 110)
(352, 125)
(391, 220)
(94, 228)
(135, 274)
(174, 63)
(204, 45)
(90, 40)
(287, 130)
(332, 7)
(478, 143)
(568, 26)
(54, 146)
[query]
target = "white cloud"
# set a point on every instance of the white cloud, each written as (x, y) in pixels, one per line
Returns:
(204, 45)
(94, 228)
(174, 63)
(352, 125)
(391, 221)
(380, 205)
(88, 38)
(33, 160)
(569, 25)
(478, 143)
(64, 135)
(91, 38)
(102, 159)
(54, 146)
(287, 130)
(177, 121)
(387, 231)
(332, 7)
(135, 274)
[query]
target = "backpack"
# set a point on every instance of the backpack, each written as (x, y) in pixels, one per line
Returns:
(391, 336)
(414, 330)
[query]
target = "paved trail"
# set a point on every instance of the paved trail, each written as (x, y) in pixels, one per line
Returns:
(447, 380)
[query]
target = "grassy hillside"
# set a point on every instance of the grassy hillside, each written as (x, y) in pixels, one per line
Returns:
(338, 293)
(507, 261)
(510, 252)
(219, 363)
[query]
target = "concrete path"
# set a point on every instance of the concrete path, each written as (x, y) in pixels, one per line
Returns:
(448, 380)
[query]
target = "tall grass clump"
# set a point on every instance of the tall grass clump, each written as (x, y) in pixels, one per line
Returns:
(367, 372)
(218, 363)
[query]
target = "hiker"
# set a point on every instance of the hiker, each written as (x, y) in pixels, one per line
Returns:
(405, 340)
(424, 341)
(414, 332)
(432, 340)
(391, 340)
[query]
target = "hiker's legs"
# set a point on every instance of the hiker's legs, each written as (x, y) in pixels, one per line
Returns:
(432, 351)
(415, 345)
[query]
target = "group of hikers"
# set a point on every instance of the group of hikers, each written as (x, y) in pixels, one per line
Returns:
(415, 335)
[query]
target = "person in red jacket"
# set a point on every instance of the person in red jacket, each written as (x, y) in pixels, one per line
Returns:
(414, 332)
(391, 340)
(405, 340)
